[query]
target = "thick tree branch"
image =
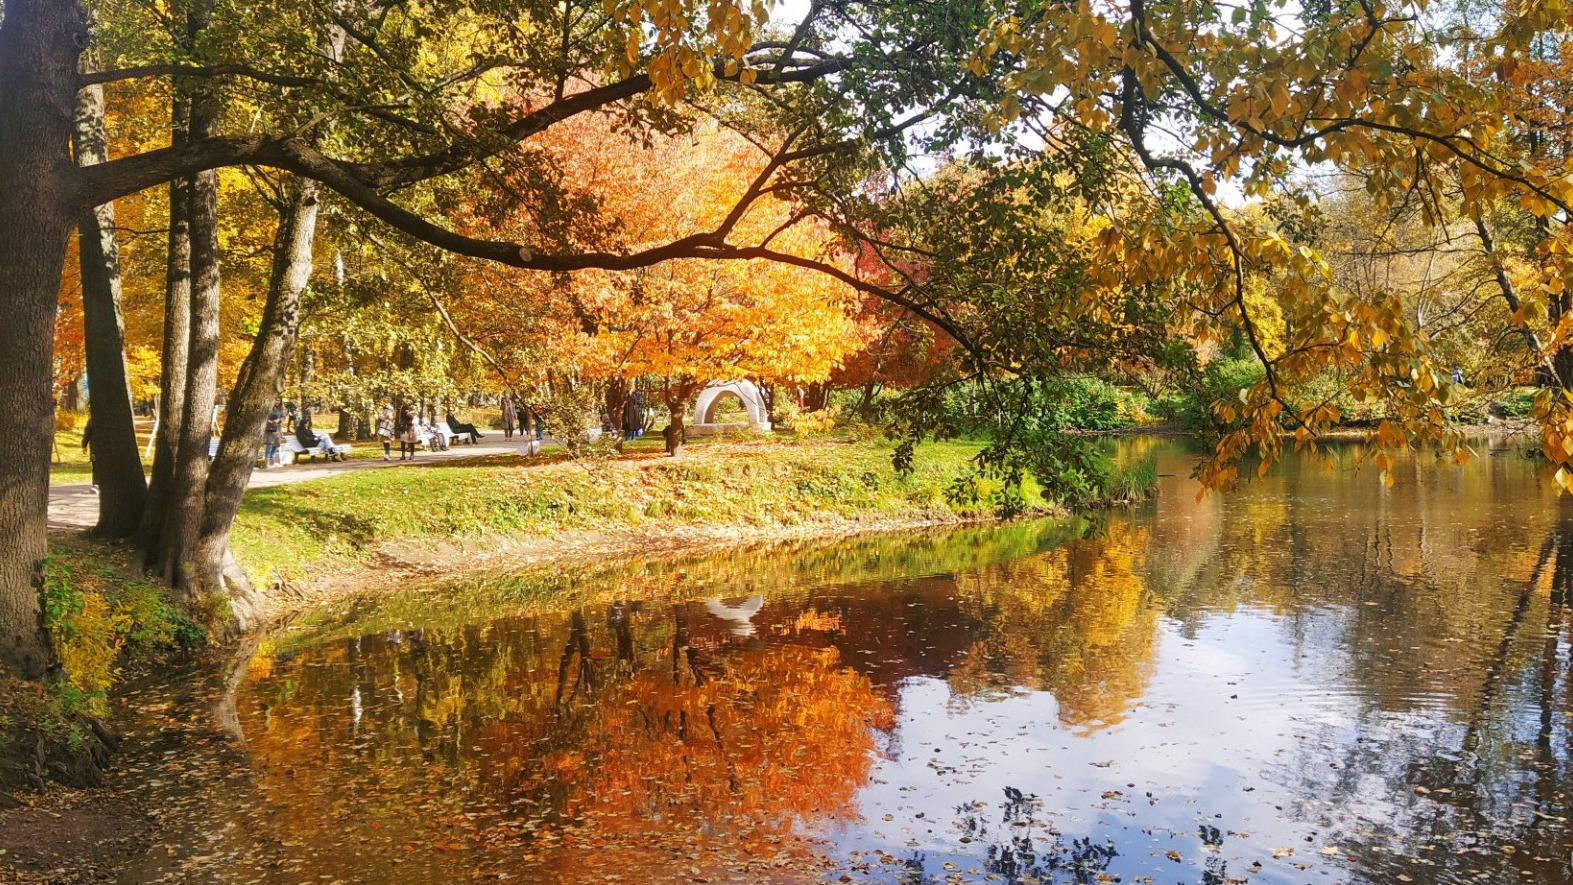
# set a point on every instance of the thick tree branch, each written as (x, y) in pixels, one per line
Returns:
(201, 71)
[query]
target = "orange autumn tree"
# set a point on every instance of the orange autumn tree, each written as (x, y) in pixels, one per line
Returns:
(684, 322)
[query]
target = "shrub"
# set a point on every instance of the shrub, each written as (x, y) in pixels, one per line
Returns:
(1218, 380)
(790, 416)
(101, 618)
(1518, 403)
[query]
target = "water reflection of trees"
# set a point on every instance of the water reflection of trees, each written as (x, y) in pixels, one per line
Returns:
(639, 728)
(1076, 621)
(1441, 607)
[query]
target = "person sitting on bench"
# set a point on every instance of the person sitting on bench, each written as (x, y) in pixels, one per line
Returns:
(435, 441)
(303, 432)
(309, 440)
(461, 429)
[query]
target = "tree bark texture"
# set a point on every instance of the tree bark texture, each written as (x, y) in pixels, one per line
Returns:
(257, 388)
(177, 340)
(183, 520)
(39, 43)
(117, 465)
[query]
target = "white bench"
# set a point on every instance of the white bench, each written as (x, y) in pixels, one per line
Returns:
(325, 447)
(424, 434)
(453, 436)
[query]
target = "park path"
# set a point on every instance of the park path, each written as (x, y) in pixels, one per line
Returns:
(74, 506)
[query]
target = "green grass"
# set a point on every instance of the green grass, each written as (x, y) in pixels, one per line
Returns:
(68, 463)
(778, 483)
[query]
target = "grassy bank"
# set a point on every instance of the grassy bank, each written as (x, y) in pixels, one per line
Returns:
(106, 621)
(306, 531)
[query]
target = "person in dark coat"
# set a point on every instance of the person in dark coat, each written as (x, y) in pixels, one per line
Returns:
(633, 416)
(462, 429)
(304, 432)
(406, 430)
(92, 453)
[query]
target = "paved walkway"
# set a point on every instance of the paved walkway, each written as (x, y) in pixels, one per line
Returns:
(75, 506)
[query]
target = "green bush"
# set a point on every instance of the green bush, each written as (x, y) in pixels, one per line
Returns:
(1081, 402)
(1218, 380)
(1518, 403)
(101, 617)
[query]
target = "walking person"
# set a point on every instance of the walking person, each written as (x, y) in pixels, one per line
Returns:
(633, 416)
(92, 454)
(385, 432)
(406, 430)
(273, 436)
(510, 416)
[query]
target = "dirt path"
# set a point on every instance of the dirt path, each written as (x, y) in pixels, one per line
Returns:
(74, 506)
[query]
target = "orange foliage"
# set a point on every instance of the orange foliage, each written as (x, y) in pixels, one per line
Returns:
(681, 319)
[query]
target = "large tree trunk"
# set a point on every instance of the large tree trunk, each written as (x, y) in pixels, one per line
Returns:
(177, 341)
(182, 526)
(183, 521)
(117, 465)
(676, 434)
(39, 44)
(256, 390)
(815, 395)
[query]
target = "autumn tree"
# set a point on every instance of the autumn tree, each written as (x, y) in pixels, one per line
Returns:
(403, 104)
(685, 322)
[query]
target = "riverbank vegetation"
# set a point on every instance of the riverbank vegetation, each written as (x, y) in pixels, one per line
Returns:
(759, 488)
(315, 540)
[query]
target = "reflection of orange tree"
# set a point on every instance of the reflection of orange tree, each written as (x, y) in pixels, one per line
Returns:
(1076, 621)
(579, 726)
(765, 735)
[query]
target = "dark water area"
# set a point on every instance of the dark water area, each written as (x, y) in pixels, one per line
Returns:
(1315, 678)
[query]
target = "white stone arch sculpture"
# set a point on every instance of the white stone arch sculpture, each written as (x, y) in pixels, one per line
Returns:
(746, 391)
(740, 615)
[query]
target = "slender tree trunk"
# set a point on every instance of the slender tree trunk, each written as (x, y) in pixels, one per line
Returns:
(39, 45)
(177, 342)
(73, 394)
(183, 520)
(117, 465)
(258, 387)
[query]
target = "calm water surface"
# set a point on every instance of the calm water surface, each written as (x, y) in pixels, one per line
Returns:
(1313, 679)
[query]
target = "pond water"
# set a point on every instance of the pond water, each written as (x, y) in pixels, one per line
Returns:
(1315, 678)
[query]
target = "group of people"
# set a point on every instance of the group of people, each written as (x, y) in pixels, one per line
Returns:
(284, 419)
(411, 430)
(402, 425)
(523, 421)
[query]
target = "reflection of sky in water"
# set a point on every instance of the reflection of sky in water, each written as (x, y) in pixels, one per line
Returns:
(1207, 754)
